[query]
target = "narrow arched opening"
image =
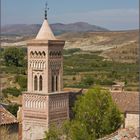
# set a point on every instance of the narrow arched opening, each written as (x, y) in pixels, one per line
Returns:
(52, 84)
(40, 83)
(35, 82)
(56, 83)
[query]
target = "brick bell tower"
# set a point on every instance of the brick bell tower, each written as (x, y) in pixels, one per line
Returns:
(44, 102)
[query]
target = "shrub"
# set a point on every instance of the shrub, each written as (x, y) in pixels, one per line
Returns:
(12, 91)
(22, 81)
(13, 108)
(14, 57)
(74, 78)
(88, 80)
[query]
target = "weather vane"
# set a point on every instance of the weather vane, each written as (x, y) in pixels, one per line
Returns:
(46, 10)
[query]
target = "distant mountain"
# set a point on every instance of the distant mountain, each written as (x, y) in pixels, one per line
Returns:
(20, 29)
(58, 28)
(76, 27)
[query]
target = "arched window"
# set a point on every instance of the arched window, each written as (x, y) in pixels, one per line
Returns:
(40, 83)
(50, 53)
(56, 83)
(52, 83)
(35, 82)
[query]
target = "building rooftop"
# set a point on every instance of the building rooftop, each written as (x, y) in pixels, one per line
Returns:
(123, 134)
(126, 101)
(45, 32)
(6, 117)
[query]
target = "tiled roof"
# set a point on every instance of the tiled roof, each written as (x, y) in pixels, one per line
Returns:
(126, 101)
(6, 117)
(123, 134)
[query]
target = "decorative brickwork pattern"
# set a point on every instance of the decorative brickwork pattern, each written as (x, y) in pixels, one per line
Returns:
(44, 102)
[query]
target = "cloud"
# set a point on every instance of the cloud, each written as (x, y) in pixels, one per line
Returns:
(109, 18)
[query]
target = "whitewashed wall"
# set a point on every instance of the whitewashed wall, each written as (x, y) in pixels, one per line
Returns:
(132, 120)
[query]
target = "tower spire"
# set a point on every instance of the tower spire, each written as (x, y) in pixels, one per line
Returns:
(46, 10)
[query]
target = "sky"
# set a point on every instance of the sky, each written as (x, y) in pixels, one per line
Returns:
(110, 14)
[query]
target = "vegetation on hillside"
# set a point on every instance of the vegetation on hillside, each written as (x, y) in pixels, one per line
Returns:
(81, 70)
(96, 115)
(86, 69)
(14, 57)
(13, 67)
(12, 91)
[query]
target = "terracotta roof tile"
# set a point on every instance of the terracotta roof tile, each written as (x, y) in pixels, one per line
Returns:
(6, 117)
(126, 101)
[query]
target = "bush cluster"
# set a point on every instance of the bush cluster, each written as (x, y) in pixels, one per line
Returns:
(11, 91)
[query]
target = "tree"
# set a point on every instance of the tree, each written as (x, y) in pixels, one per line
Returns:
(53, 133)
(11, 91)
(14, 57)
(88, 80)
(98, 112)
(13, 108)
(70, 130)
(96, 115)
(75, 130)
(22, 81)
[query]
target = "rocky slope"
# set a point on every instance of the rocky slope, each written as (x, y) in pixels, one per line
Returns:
(119, 46)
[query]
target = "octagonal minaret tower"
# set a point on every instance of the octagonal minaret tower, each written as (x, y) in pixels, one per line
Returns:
(44, 102)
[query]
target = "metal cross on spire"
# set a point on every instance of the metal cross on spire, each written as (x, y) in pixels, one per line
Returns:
(46, 10)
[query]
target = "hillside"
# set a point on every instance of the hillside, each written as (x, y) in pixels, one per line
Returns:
(127, 53)
(115, 45)
(120, 46)
(58, 28)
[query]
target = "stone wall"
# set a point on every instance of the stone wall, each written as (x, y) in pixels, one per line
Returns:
(132, 120)
(34, 116)
(58, 108)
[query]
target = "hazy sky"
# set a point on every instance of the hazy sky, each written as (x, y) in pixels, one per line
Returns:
(111, 14)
